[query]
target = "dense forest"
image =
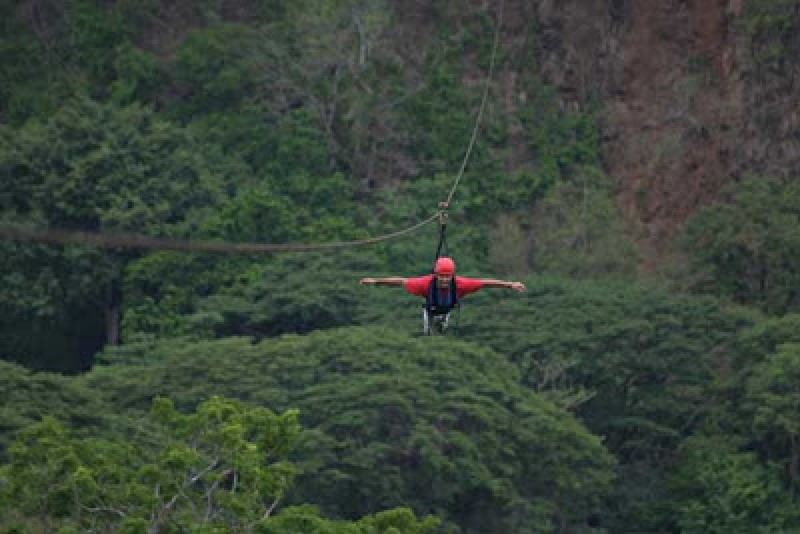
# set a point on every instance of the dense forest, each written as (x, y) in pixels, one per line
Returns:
(630, 389)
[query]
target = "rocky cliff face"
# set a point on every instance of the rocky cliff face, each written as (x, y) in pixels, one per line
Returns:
(696, 93)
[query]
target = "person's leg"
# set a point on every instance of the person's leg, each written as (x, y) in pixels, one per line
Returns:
(438, 323)
(445, 320)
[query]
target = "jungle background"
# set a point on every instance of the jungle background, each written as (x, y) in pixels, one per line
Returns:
(635, 166)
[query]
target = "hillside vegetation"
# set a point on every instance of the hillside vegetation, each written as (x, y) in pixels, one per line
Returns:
(165, 391)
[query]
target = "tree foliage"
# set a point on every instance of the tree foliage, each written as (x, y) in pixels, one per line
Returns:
(221, 467)
(746, 247)
(28, 397)
(719, 489)
(89, 167)
(394, 421)
(637, 366)
(577, 407)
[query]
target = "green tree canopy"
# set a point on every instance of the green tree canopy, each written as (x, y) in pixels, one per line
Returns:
(719, 489)
(221, 467)
(747, 246)
(440, 426)
(92, 167)
(28, 397)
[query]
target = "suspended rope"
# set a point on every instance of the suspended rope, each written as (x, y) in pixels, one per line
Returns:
(135, 241)
(480, 110)
(441, 249)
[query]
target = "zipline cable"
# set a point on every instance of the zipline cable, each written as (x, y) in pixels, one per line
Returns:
(136, 241)
(443, 206)
(480, 110)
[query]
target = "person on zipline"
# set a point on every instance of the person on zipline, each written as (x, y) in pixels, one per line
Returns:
(441, 291)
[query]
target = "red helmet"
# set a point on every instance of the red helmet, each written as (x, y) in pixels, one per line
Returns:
(445, 266)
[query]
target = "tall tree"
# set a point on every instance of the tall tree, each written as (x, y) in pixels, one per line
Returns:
(747, 246)
(91, 167)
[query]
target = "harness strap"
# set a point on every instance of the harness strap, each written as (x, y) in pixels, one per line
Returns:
(434, 302)
(441, 249)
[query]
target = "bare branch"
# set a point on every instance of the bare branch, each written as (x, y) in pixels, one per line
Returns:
(191, 480)
(210, 495)
(107, 509)
(156, 521)
(271, 508)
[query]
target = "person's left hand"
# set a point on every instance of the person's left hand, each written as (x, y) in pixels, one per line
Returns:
(518, 286)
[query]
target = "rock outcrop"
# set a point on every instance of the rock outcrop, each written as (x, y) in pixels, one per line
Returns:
(696, 94)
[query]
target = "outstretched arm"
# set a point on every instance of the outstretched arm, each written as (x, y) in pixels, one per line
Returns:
(391, 281)
(516, 286)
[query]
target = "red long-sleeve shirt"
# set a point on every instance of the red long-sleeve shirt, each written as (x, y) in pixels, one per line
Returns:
(464, 286)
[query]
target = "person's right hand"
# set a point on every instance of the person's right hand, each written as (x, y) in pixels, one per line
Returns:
(367, 281)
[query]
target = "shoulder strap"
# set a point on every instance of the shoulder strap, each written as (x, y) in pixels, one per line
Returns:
(431, 299)
(453, 292)
(434, 300)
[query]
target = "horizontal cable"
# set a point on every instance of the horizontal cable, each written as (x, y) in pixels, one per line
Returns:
(135, 241)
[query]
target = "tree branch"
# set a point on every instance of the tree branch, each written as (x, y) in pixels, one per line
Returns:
(210, 494)
(271, 508)
(99, 509)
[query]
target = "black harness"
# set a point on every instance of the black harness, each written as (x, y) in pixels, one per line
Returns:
(437, 303)
(440, 304)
